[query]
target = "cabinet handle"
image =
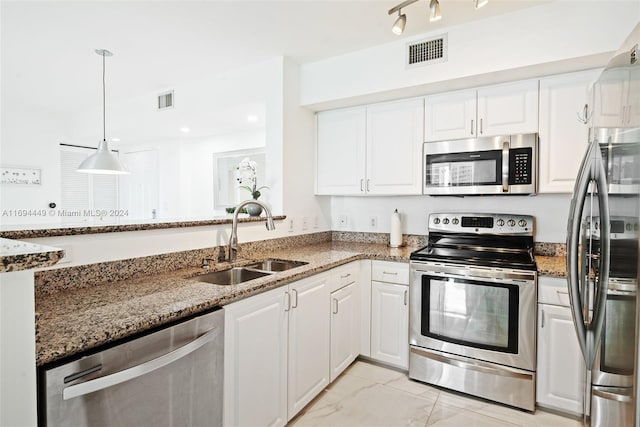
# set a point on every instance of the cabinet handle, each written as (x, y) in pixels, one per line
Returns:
(368, 180)
(471, 126)
(346, 276)
(406, 295)
(362, 185)
(287, 301)
(542, 320)
(295, 295)
(480, 126)
(629, 114)
(393, 273)
(335, 306)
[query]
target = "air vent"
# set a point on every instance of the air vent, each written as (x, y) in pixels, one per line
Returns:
(429, 51)
(165, 100)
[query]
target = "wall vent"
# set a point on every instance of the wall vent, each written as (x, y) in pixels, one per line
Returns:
(165, 100)
(430, 51)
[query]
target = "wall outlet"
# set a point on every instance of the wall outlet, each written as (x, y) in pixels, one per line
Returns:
(291, 225)
(373, 222)
(305, 223)
(342, 221)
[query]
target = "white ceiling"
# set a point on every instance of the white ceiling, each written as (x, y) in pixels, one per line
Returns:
(47, 48)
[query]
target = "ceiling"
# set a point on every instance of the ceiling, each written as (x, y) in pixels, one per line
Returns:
(47, 48)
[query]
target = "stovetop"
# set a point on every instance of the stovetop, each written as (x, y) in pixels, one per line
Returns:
(491, 240)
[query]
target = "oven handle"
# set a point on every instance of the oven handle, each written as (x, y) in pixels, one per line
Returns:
(588, 331)
(474, 366)
(464, 273)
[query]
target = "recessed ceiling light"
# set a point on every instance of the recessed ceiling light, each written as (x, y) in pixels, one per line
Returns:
(115, 139)
(185, 130)
(252, 118)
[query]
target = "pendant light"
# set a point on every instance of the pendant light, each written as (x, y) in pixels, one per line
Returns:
(103, 161)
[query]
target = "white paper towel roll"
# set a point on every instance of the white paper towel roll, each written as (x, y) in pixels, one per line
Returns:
(395, 237)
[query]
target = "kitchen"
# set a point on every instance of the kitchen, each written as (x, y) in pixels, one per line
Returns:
(338, 81)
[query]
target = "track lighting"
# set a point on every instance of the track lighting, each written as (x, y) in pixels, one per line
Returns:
(434, 13)
(434, 8)
(398, 26)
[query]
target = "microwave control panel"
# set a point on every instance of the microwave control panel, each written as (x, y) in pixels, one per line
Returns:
(520, 164)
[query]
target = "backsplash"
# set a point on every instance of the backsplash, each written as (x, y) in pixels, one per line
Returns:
(550, 249)
(379, 238)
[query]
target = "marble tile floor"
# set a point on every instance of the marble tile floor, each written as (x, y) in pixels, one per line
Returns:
(368, 395)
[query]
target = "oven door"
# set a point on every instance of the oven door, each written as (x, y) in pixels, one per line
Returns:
(482, 313)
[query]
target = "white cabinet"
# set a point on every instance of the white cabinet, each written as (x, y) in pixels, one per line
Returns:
(373, 150)
(390, 314)
(308, 341)
(561, 371)
(341, 151)
(616, 96)
(563, 139)
(505, 109)
(255, 362)
(276, 353)
(345, 330)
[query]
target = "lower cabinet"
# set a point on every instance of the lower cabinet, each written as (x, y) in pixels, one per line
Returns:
(345, 328)
(390, 323)
(561, 371)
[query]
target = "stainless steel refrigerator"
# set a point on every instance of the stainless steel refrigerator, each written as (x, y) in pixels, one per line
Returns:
(602, 243)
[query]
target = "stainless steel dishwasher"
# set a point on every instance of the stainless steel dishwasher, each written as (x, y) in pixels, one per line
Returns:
(172, 377)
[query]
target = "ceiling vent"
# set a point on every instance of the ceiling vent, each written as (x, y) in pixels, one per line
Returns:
(165, 100)
(430, 51)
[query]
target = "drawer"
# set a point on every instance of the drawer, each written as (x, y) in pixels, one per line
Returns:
(553, 290)
(344, 275)
(390, 272)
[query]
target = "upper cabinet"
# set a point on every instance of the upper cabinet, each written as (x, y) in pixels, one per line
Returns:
(563, 137)
(372, 150)
(616, 95)
(505, 109)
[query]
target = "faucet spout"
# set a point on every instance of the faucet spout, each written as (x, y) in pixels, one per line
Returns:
(233, 238)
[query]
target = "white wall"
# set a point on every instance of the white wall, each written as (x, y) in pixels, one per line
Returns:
(523, 44)
(550, 212)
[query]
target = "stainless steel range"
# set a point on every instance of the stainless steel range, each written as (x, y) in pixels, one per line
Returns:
(472, 307)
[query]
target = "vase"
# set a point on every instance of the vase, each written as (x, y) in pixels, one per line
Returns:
(254, 209)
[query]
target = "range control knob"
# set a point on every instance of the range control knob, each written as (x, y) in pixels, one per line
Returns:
(436, 221)
(511, 223)
(445, 221)
(628, 227)
(522, 223)
(456, 221)
(500, 222)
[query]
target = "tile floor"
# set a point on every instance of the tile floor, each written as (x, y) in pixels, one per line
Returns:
(370, 395)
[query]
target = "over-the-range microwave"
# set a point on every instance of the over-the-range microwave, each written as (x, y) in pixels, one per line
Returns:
(492, 165)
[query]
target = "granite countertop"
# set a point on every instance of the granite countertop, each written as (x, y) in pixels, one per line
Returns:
(17, 255)
(72, 321)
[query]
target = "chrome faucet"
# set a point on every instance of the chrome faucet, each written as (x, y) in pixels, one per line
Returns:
(233, 239)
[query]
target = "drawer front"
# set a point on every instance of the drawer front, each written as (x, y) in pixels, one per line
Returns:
(553, 290)
(390, 272)
(344, 275)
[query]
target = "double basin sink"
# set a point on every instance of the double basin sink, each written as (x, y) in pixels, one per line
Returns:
(236, 275)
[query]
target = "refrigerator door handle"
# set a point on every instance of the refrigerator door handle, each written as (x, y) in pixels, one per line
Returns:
(588, 332)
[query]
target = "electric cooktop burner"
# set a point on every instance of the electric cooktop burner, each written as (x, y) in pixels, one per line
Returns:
(490, 240)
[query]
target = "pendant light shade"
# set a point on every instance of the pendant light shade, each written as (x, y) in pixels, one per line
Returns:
(103, 161)
(398, 26)
(434, 8)
(481, 3)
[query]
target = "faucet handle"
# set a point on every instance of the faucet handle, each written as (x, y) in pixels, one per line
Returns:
(205, 263)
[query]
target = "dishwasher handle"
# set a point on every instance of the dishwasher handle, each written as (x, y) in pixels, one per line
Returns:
(140, 370)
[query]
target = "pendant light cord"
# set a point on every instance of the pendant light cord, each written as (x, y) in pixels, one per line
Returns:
(104, 115)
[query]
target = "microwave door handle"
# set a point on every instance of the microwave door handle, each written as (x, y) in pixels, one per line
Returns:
(600, 296)
(573, 235)
(505, 167)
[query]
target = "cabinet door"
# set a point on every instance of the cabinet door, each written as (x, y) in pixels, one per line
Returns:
(561, 371)
(345, 331)
(394, 147)
(563, 139)
(340, 158)
(255, 361)
(450, 115)
(611, 98)
(390, 323)
(508, 109)
(308, 341)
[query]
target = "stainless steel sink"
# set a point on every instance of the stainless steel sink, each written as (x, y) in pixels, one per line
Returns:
(231, 276)
(276, 265)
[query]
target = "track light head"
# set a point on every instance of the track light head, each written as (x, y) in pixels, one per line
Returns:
(434, 8)
(398, 26)
(480, 3)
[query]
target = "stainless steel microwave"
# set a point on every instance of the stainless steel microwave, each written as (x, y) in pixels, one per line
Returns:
(492, 165)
